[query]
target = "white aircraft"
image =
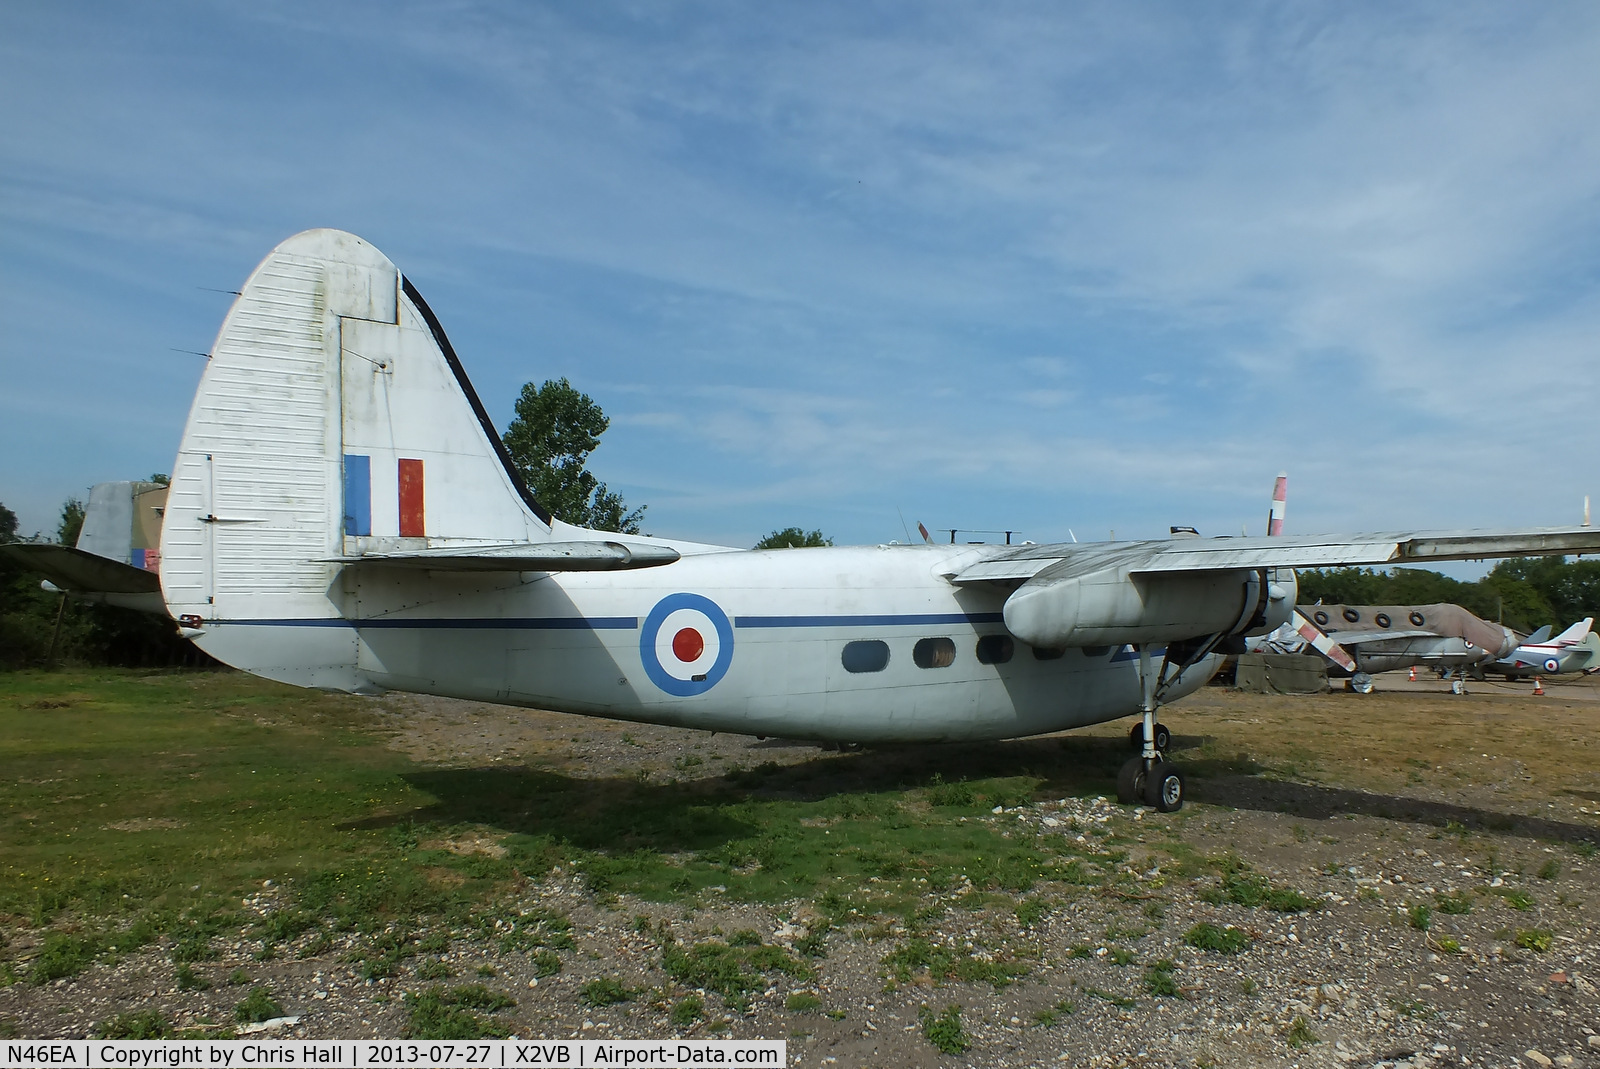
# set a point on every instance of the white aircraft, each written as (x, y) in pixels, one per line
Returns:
(343, 515)
(1574, 650)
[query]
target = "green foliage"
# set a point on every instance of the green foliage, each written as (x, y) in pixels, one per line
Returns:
(1539, 939)
(61, 956)
(1421, 916)
(1047, 1018)
(731, 971)
(1453, 903)
(439, 1014)
(1300, 1034)
(549, 440)
(189, 980)
(146, 1024)
(945, 1031)
(802, 1002)
(917, 958)
(687, 1011)
(794, 538)
(8, 525)
(1515, 897)
(1550, 869)
(1221, 940)
(71, 524)
(605, 991)
(1245, 888)
(546, 963)
(1030, 911)
(257, 1006)
(1159, 981)
(1524, 592)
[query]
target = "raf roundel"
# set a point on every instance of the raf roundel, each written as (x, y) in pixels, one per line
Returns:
(1552, 665)
(686, 644)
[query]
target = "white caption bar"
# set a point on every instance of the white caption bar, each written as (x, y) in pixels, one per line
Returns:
(359, 1054)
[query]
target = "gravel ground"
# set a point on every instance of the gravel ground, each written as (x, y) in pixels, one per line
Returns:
(1504, 789)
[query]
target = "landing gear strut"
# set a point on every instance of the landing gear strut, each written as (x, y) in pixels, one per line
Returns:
(1149, 778)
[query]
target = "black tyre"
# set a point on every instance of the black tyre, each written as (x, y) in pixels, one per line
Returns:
(1130, 781)
(1163, 737)
(1163, 788)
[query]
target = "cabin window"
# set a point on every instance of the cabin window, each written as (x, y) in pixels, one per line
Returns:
(1042, 654)
(934, 653)
(1096, 651)
(867, 655)
(995, 649)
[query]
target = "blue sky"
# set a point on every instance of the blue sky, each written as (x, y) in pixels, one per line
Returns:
(1030, 266)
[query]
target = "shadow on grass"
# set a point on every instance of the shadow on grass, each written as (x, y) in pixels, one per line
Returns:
(1320, 803)
(621, 814)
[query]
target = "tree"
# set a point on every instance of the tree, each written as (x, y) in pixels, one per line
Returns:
(550, 438)
(793, 538)
(71, 522)
(8, 525)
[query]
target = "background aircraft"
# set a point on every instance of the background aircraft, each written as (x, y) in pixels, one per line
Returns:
(1363, 640)
(1577, 649)
(343, 515)
(116, 559)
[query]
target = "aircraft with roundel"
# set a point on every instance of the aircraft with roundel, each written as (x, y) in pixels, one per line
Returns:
(343, 515)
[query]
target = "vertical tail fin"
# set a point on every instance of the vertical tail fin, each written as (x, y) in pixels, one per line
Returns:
(333, 419)
(1280, 505)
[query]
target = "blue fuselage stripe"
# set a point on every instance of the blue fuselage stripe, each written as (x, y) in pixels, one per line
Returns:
(923, 619)
(492, 623)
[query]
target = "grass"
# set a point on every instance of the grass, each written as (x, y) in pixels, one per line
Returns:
(1537, 939)
(1420, 916)
(803, 1002)
(1047, 1018)
(1245, 888)
(944, 1031)
(731, 971)
(919, 959)
(1300, 1034)
(440, 1013)
(1217, 938)
(238, 781)
(257, 1006)
(1159, 981)
(686, 1011)
(605, 991)
(1454, 903)
(1514, 897)
(145, 1024)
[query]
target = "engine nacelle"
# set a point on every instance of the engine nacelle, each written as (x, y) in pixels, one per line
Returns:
(1111, 606)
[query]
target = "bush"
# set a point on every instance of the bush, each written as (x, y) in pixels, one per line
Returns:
(1159, 981)
(1421, 916)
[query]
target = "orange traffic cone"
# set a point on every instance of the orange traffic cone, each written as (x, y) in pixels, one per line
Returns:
(1412, 675)
(1538, 685)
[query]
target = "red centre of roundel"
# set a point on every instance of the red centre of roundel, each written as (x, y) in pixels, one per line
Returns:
(687, 645)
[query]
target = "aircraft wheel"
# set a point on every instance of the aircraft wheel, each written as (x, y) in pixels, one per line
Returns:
(1163, 788)
(1130, 781)
(1136, 737)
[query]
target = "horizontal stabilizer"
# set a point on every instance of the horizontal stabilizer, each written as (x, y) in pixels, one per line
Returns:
(78, 570)
(586, 556)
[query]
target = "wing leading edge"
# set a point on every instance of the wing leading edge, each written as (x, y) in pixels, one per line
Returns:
(1022, 563)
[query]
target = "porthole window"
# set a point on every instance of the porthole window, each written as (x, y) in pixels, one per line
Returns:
(995, 649)
(1382, 619)
(867, 655)
(1042, 654)
(934, 653)
(1352, 616)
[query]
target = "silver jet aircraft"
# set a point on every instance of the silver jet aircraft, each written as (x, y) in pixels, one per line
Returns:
(343, 515)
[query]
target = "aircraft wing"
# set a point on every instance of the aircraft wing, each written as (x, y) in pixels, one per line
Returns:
(1357, 638)
(79, 570)
(584, 556)
(1021, 563)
